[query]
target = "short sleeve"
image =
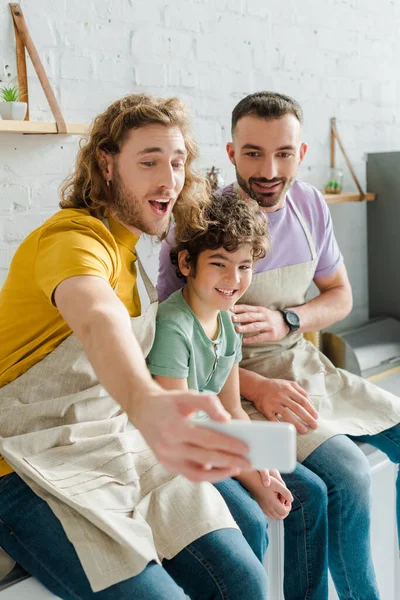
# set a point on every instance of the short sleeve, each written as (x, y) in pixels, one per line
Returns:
(167, 281)
(170, 353)
(68, 253)
(329, 255)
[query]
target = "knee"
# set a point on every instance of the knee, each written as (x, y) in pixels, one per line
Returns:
(311, 495)
(354, 478)
(257, 531)
(250, 579)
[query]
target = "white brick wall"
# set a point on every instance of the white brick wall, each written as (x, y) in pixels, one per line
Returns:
(337, 57)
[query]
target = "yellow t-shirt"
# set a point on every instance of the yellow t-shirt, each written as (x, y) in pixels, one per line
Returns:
(70, 243)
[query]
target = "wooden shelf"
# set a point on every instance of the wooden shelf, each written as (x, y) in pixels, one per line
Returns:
(40, 127)
(350, 197)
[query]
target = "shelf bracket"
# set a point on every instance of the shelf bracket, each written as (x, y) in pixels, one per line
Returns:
(335, 136)
(24, 40)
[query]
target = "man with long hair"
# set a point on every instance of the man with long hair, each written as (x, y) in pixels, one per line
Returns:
(92, 498)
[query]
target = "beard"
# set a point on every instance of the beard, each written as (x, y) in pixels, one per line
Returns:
(128, 208)
(264, 199)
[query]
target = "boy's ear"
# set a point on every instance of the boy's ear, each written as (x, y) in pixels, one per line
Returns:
(184, 263)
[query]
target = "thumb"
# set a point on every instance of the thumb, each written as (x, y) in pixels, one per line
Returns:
(265, 477)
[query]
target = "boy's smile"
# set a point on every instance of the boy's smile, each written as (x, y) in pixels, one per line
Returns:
(227, 293)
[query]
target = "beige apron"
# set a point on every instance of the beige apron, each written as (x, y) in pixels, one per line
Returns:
(345, 403)
(74, 446)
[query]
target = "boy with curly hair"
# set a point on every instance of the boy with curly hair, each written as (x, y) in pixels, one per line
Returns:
(196, 345)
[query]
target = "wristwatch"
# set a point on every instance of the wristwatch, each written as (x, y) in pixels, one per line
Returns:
(291, 319)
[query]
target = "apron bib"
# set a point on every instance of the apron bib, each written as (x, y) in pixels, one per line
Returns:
(75, 448)
(346, 404)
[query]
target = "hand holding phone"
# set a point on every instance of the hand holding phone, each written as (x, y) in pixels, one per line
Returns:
(272, 445)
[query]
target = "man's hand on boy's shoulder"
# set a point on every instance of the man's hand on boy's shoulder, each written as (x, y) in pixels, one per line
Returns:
(263, 324)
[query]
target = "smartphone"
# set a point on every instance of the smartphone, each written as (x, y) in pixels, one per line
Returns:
(272, 445)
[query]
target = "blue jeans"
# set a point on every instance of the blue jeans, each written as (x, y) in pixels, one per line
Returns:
(330, 520)
(219, 565)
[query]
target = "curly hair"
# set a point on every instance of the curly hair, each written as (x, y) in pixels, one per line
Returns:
(86, 187)
(228, 222)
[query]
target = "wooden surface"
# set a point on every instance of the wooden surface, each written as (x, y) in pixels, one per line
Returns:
(350, 197)
(41, 73)
(21, 70)
(40, 127)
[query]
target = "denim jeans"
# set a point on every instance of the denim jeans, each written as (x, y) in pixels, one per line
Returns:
(330, 520)
(219, 565)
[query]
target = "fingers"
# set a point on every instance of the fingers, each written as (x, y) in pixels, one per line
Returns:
(302, 413)
(214, 440)
(276, 510)
(265, 477)
(204, 457)
(251, 318)
(299, 389)
(304, 399)
(288, 417)
(192, 401)
(277, 475)
(280, 488)
(243, 308)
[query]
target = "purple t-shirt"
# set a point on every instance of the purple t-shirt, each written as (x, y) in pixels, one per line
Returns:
(289, 244)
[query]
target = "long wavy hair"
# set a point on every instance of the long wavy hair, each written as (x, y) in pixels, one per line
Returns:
(86, 186)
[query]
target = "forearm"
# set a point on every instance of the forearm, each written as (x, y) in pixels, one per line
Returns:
(249, 382)
(239, 413)
(252, 482)
(117, 359)
(329, 307)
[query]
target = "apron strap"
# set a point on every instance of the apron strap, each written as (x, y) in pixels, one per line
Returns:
(148, 284)
(304, 226)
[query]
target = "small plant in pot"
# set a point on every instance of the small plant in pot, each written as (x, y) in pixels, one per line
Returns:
(10, 106)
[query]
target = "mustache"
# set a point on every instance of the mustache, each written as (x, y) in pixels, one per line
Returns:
(160, 192)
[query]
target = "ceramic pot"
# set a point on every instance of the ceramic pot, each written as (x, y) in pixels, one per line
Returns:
(13, 111)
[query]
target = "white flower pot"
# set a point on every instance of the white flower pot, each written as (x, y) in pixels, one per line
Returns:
(13, 111)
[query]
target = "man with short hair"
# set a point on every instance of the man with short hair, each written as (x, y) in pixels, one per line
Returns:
(91, 504)
(284, 377)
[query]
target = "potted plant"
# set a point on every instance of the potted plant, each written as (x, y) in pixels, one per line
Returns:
(10, 106)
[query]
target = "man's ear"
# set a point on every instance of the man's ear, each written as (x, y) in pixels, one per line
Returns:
(106, 165)
(303, 150)
(231, 152)
(184, 263)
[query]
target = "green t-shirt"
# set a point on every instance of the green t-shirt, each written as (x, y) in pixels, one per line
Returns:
(182, 349)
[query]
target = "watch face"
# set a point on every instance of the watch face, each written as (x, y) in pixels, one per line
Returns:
(292, 319)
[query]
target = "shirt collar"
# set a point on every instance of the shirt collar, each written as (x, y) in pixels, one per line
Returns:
(122, 235)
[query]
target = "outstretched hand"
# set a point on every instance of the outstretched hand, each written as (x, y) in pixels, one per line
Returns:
(198, 453)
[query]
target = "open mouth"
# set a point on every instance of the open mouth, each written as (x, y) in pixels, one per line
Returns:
(160, 206)
(268, 187)
(226, 293)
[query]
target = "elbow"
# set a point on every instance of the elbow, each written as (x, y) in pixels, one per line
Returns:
(347, 304)
(99, 318)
